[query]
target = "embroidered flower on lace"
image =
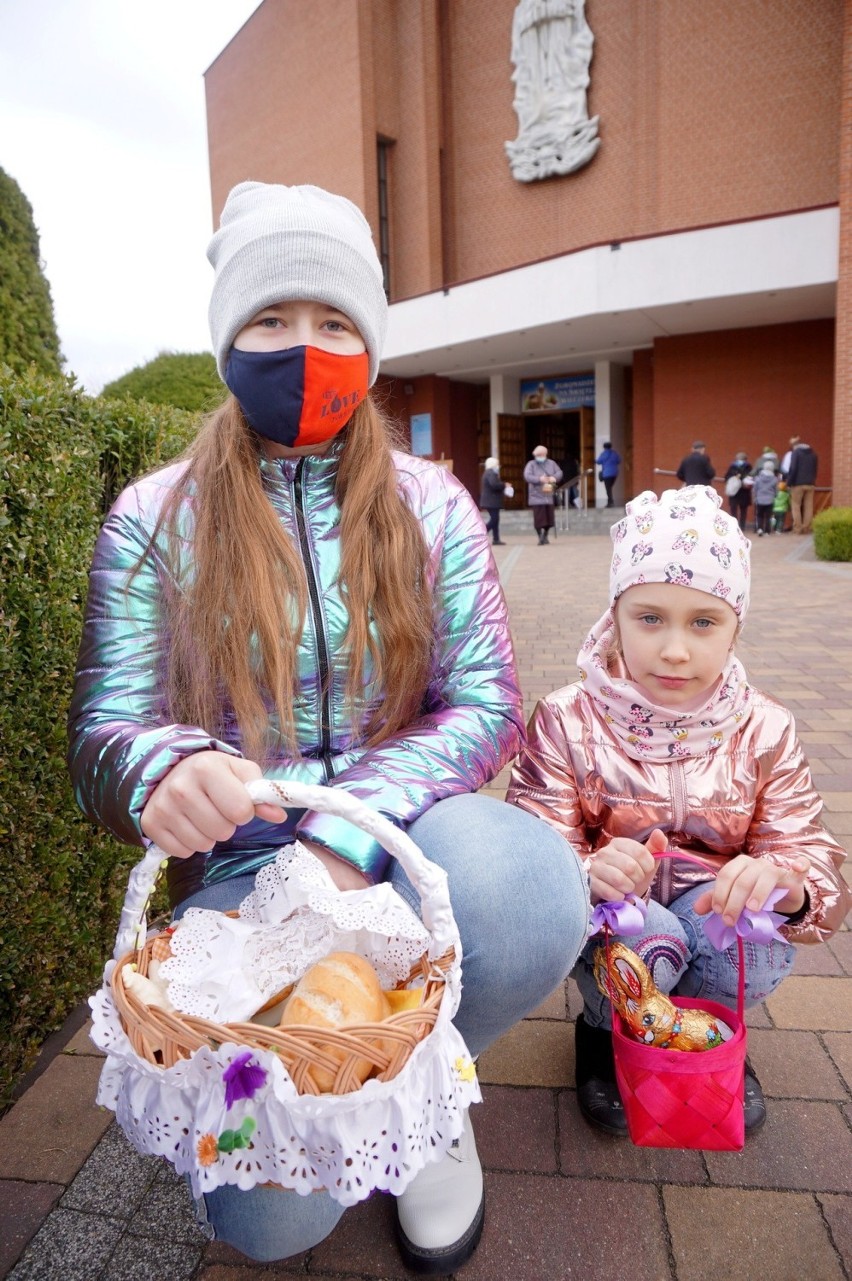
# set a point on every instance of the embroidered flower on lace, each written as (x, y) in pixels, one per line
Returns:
(225, 968)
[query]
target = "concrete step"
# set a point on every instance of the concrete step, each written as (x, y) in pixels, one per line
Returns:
(592, 520)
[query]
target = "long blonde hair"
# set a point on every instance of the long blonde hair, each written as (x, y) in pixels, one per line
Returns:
(235, 606)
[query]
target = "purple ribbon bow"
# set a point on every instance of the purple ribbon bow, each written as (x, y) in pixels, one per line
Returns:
(758, 927)
(624, 917)
(242, 1079)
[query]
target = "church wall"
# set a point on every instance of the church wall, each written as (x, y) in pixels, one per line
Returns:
(708, 113)
(744, 389)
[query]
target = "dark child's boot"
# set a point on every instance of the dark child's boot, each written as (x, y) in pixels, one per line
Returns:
(597, 1092)
(753, 1101)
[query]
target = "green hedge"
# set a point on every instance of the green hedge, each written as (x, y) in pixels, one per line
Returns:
(187, 380)
(833, 534)
(27, 328)
(62, 454)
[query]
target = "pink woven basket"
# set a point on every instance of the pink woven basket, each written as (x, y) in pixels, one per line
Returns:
(683, 1099)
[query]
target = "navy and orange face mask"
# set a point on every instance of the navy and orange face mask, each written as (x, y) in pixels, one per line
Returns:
(300, 396)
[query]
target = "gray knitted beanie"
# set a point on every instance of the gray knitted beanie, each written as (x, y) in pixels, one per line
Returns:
(290, 244)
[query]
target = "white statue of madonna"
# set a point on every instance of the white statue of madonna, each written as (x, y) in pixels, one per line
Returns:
(551, 51)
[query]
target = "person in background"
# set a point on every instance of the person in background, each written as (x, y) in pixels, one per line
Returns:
(571, 471)
(768, 455)
(296, 597)
(788, 457)
(801, 479)
(665, 743)
(696, 468)
(542, 475)
(609, 462)
(491, 498)
(780, 507)
(764, 491)
(737, 491)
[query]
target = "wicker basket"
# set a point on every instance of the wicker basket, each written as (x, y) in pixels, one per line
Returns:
(160, 1062)
(165, 1037)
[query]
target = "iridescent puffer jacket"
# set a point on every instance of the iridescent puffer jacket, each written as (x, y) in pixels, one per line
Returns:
(471, 721)
(755, 797)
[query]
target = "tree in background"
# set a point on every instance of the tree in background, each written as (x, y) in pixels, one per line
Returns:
(27, 327)
(182, 380)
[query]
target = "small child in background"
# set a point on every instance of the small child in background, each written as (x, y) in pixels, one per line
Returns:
(780, 507)
(665, 743)
(764, 491)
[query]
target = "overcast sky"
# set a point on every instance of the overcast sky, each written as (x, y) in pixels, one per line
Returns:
(102, 125)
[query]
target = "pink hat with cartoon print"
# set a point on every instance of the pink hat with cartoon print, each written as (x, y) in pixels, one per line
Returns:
(681, 537)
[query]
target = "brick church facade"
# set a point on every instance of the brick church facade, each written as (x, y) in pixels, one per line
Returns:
(692, 279)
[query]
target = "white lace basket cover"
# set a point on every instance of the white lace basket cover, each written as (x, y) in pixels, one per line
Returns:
(232, 1115)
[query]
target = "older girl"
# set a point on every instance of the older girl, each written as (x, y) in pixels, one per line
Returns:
(295, 598)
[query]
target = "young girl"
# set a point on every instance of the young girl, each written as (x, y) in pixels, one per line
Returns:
(296, 599)
(665, 743)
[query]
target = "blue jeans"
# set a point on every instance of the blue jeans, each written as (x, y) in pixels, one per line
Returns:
(675, 949)
(520, 899)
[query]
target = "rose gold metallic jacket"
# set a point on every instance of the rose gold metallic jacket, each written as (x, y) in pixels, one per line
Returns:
(754, 797)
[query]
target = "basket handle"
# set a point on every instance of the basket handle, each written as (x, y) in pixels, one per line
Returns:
(429, 880)
(672, 852)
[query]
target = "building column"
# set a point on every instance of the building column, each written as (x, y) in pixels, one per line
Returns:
(842, 446)
(609, 421)
(505, 399)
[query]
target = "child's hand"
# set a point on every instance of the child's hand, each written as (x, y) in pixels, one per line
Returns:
(624, 867)
(747, 882)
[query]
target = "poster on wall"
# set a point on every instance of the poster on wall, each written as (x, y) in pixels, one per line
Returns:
(421, 435)
(550, 394)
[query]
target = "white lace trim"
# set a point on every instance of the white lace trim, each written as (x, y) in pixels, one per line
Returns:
(377, 1137)
(224, 968)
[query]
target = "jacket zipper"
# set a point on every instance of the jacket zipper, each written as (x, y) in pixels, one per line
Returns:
(680, 809)
(319, 624)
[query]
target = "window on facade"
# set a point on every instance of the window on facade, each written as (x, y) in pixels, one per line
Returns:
(383, 148)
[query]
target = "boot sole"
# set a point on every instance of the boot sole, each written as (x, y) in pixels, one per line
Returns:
(442, 1259)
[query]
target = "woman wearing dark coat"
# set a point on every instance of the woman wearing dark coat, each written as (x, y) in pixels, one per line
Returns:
(738, 502)
(491, 498)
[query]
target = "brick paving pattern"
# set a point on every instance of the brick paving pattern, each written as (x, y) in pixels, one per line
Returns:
(563, 1201)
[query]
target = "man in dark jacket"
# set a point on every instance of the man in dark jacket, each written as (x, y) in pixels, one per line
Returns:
(801, 480)
(696, 468)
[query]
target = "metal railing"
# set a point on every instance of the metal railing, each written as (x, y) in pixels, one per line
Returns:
(580, 482)
(820, 502)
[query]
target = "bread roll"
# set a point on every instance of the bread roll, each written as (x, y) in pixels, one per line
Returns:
(340, 990)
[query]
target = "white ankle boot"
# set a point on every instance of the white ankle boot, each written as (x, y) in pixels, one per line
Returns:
(441, 1212)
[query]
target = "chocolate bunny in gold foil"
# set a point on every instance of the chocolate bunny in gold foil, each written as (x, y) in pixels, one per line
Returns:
(647, 1013)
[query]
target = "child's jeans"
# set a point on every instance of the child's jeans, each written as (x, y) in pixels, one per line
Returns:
(683, 962)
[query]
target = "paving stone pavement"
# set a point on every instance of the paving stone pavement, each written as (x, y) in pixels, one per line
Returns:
(563, 1201)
